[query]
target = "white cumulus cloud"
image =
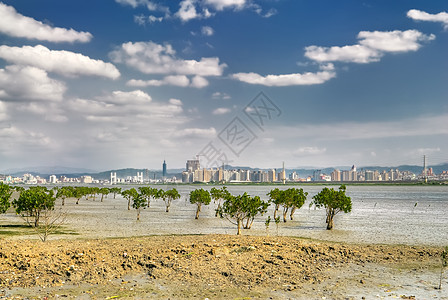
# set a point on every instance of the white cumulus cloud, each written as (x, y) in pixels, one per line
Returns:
(419, 15)
(221, 111)
(196, 133)
(29, 83)
(14, 24)
(207, 31)
(187, 10)
(223, 4)
(308, 78)
(152, 58)
(372, 46)
(61, 62)
(174, 80)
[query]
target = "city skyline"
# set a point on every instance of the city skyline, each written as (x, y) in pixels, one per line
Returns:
(340, 83)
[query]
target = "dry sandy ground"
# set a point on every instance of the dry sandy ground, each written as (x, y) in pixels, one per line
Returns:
(216, 267)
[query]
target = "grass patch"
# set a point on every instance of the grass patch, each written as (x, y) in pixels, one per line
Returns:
(21, 229)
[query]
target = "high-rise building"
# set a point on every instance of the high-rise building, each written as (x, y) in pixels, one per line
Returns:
(164, 169)
(193, 165)
(271, 175)
(336, 175)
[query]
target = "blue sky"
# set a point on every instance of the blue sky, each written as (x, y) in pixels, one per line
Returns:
(129, 83)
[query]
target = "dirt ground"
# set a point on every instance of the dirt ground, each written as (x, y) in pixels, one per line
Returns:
(216, 267)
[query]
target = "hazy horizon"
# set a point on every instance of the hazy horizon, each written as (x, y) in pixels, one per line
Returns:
(115, 84)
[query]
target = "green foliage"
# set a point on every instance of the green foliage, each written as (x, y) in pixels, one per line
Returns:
(168, 196)
(32, 202)
(64, 192)
(149, 192)
(138, 202)
(5, 195)
(238, 209)
(199, 197)
(291, 198)
(129, 195)
(115, 191)
(104, 192)
(333, 201)
(218, 196)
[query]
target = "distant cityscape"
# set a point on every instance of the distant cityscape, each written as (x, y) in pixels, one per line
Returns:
(193, 173)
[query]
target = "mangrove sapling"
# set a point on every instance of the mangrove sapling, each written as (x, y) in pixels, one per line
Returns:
(334, 202)
(115, 191)
(63, 193)
(255, 207)
(104, 192)
(239, 208)
(5, 195)
(218, 196)
(444, 257)
(168, 196)
(275, 196)
(33, 202)
(139, 201)
(266, 223)
(199, 197)
(129, 195)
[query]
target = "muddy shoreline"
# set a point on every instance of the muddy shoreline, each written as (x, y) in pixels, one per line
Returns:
(214, 267)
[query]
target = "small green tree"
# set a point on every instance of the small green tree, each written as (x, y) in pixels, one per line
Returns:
(5, 195)
(115, 191)
(139, 201)
(130, 195)
(267, 223)
(104, 192)
(32, 202)
(199, 197)
(64, 192)
(79, 192)
(254, 207)
(334, 202)
(218, 196)
(239, 208)
(168, 196)
(293, 199)
(275, 196)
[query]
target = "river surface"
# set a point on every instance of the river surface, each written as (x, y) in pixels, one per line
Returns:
(412, 215)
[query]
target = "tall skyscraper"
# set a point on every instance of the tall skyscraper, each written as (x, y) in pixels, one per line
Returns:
(164, 169)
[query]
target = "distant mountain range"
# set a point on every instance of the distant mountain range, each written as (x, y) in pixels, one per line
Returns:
(45, 172)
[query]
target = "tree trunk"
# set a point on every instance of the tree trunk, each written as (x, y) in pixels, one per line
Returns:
(36, 220)
(77, 200)
(251, 222)
(330, 222)
(138, 214)
(129, 204)
(198, 210)
(168, 204)
(285, 211)
(239, 227)
(63, 201)
(275, 211)
(216, 211)
(102, 196)
(293, 210)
